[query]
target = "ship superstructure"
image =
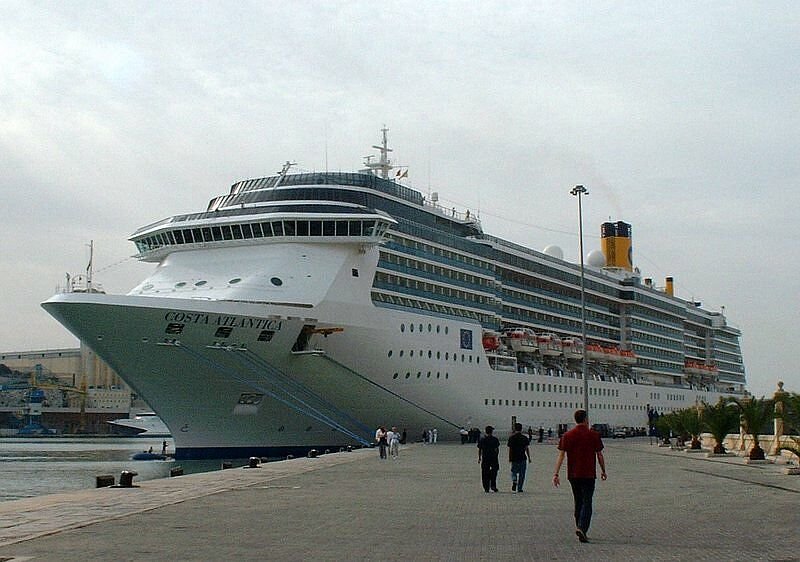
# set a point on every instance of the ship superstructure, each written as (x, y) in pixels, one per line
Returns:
(302, 310)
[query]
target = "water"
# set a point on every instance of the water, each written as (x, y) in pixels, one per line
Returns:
(40, 466)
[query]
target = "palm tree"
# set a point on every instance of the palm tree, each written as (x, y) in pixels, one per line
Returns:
(755, 413)
(691, 425)
(720, 420)
(664, 427)
(791, 418)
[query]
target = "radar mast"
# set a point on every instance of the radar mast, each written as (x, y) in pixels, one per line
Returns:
(383, 166)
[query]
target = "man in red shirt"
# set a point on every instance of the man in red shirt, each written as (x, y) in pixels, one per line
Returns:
(581, 445)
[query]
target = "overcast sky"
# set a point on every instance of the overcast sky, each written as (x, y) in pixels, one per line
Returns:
(682, 118)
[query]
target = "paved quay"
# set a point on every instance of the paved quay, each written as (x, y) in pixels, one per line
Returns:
(429, 505)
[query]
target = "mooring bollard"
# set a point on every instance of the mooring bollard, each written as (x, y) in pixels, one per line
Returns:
(227, 464)
(126, 478)
(312, 454)
(104, 480)
(349, 449)
(253, 462)
(176, 471)
(289, 457)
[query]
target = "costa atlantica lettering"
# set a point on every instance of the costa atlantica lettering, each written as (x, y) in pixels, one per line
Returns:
(223, 320)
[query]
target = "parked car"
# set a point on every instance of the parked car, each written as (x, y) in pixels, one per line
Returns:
(619, 432)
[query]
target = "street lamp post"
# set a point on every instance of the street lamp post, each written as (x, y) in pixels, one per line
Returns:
(579, 191)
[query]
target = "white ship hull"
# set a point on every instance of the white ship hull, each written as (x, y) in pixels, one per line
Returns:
(237, 400)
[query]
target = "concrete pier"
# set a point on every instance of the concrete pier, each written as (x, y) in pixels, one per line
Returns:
(429, 505)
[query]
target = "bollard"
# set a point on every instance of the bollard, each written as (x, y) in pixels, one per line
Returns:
(227, 464)
(289, 457)
(312, 454)
(253, 462)
(176, 471)
(349, 449)
(126, 478)
(327, 452)
(104, 480)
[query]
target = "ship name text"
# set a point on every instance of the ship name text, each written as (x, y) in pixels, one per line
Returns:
(223, 320)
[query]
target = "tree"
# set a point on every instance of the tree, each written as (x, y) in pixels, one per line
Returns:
(754, 414)
(664, 427)
(720, 419)
(790, 415)
(691, 425)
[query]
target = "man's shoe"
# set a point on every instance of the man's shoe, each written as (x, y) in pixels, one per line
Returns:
(495, 490)
(513, 486)
(581, 535)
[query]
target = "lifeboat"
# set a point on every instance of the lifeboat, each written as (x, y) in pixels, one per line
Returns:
(611, 354)
(572, 348)
(491, 341)
(627, 357)
(594, 352)
(549, 344)
(521, 340)
(699, 368)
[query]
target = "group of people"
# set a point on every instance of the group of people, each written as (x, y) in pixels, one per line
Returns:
(389, 440)
(581, 446)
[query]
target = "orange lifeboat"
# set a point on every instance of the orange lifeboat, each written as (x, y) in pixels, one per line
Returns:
(549, 344)
(572, 348)
(627, 356)
(521, 340)
(491, 341)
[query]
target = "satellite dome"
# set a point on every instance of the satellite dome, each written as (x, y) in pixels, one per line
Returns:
(596, 258)
(554, 252)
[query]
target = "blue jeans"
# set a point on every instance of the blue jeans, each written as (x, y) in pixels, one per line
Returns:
(518, 469)
(582, 492)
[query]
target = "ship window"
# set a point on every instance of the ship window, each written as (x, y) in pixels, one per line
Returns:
(315, 228)
(178, 234)
(369, 228)
(226, 232)
(236, 229)
(354, 272)
(429, 374)
(341, 228)
(402, 327)
(256, 226)
(478, 360)
(302, 228)
(408, 375)
(438, 355)
(430, 354)
(401, 352)
(328, 228)
(447, 356)
(390, 353)
(235, 280)
(419, 374)
(412, 327)
(447, 375)
(174, 328)
(223, 332)
(200, 283)
(438, 328)
(438, 374)
(216, 233)
(430, 328)
(276, 281)
(394, 376)
(180, 284)
(266, 335)
(246, 232)
(271, 228)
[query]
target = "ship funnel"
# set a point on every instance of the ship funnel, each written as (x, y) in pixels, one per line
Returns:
(615, 239)
(670, 288)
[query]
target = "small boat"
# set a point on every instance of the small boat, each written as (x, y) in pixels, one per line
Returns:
(521, 340)
(572, 348)
(549, 344)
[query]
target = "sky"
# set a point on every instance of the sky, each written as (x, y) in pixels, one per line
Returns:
(681, 118)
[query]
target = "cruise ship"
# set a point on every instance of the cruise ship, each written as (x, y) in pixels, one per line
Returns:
(302, 310)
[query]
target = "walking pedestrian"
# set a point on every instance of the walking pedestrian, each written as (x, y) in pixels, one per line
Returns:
(394, 443)
(435, 434)
(488, 453)
(380, 437)
(581, 445)
(519, 454)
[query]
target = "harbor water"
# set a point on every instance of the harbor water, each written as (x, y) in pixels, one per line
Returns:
(49, 465)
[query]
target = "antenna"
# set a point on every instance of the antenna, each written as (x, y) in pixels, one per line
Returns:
(383, 165)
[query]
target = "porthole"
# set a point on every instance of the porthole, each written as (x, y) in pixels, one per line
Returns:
(390, 353)
(438, 328)
(411, 327)
(438, 355)
(401, 353)
(462, 357)
(281, 428)
(430, 328)
(447, 356)
(438, 374)
(447, 375)
(429, 374)
(180, 284)
(394, 376)
(411, 353)
(470, 358)
(200, 283)
(430, 354)
(277, 281)
(235, 280)
(147, 287)
(408, 375)
(402, 327)
(478, 360)
(420, 327)
(419, 374)
(445, 329)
